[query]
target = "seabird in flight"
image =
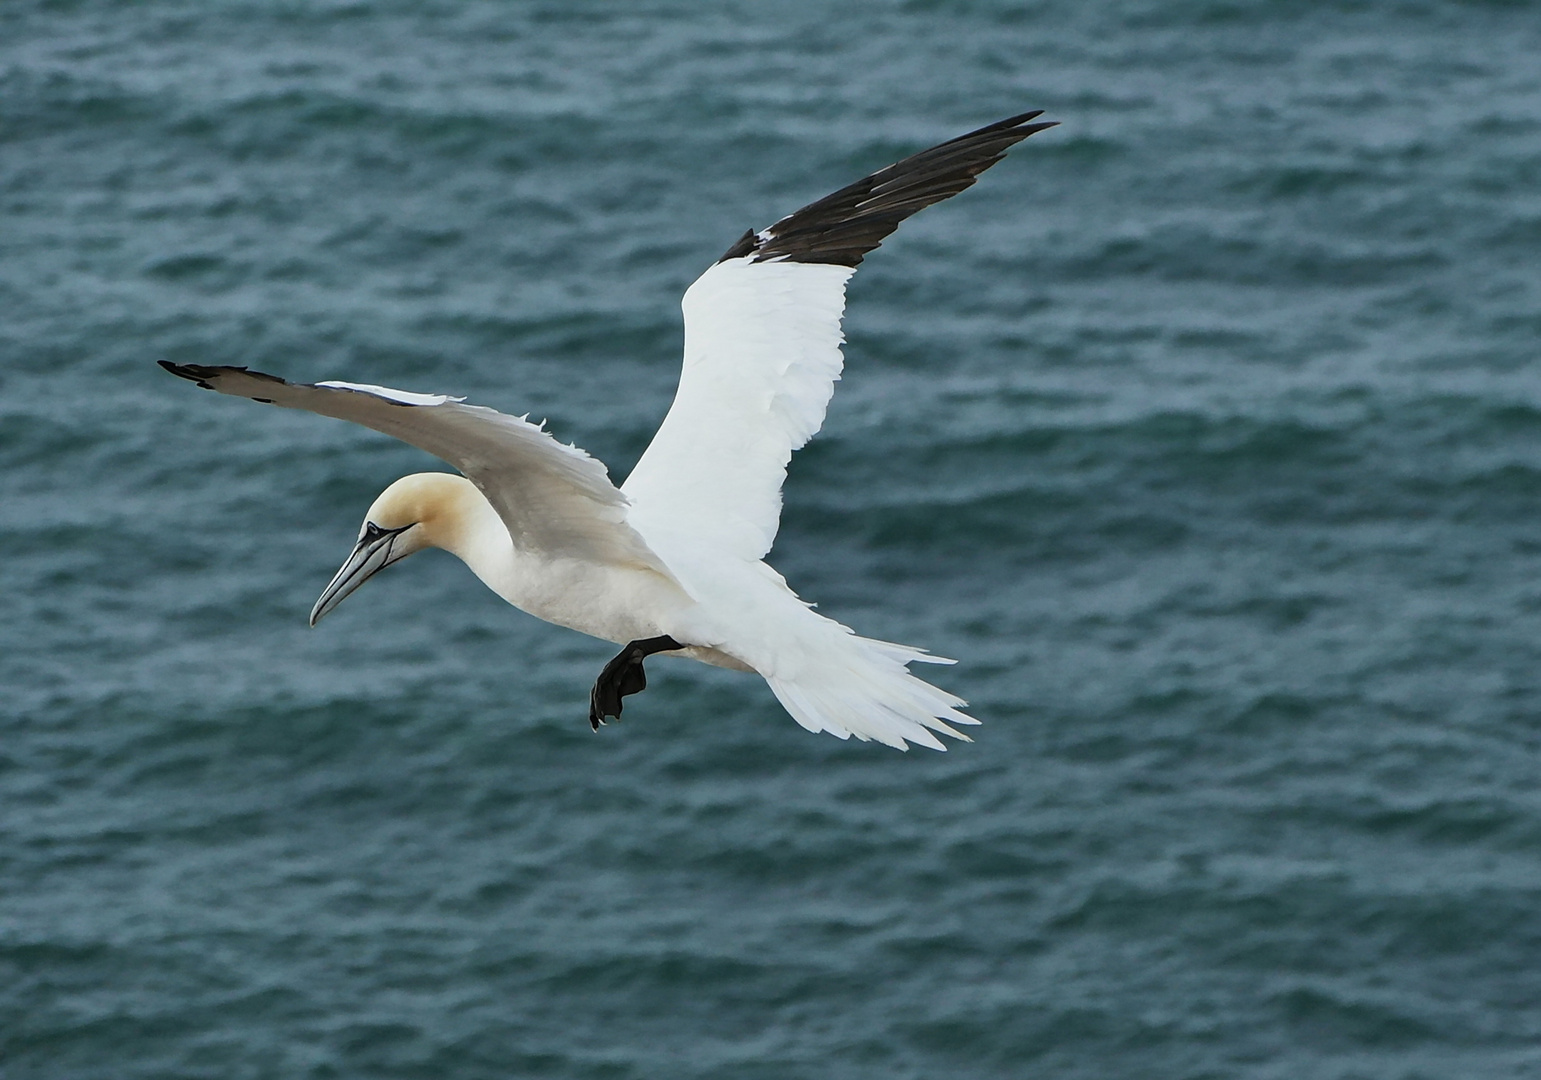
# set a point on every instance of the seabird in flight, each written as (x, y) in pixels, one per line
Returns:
(672, 561)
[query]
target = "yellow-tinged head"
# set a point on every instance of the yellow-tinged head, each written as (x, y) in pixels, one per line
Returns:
(416, 512)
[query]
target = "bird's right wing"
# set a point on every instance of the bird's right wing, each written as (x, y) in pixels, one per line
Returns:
(762, 350)
(554, 499)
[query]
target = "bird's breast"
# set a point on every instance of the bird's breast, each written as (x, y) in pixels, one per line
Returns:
(615, 603)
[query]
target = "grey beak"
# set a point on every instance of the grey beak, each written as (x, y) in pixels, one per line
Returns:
(372, 553)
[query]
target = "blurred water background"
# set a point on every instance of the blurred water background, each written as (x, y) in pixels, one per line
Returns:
(1205, 431)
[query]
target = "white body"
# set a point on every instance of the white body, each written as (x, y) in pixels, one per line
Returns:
(678, 550)
(617, 602)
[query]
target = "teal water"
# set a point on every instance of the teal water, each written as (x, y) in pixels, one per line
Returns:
(1205, 431)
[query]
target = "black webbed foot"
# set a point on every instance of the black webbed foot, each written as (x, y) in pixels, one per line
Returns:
(624, 676)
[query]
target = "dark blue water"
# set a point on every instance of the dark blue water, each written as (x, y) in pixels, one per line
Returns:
(1205, 431)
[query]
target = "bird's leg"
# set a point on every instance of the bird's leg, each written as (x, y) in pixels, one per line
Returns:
(623, 676)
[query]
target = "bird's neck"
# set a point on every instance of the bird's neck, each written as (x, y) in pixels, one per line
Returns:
(463, 523)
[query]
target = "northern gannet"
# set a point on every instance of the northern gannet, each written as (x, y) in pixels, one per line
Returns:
(672, 561)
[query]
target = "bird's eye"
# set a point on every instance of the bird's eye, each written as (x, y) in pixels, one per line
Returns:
(372, 531)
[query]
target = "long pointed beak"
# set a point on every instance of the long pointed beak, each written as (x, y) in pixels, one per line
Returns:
(372, 553)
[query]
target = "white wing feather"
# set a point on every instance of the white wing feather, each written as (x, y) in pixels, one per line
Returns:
(762, 355)
(762, 347)
(552, 497)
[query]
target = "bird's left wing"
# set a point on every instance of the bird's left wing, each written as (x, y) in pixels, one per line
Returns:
(762, 349)
(553, 498)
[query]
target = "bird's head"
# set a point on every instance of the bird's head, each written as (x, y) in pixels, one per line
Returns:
(413, 513)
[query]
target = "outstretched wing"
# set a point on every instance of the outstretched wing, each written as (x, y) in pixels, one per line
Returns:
(762, 348)
(553, 498)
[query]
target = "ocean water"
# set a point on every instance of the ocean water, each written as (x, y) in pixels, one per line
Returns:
(1205, 431)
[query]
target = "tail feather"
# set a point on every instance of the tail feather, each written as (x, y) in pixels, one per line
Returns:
(865, 690)
(906, 654)
(826, 676)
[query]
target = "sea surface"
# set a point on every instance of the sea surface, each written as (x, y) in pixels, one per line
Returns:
(1205, 431)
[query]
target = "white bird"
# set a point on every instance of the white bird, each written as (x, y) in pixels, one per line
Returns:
(672, 561)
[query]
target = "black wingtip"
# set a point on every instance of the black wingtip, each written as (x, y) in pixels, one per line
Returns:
(202, 373)
(844, 226)
(1000, 125)
(745, 246)
(195, 373)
